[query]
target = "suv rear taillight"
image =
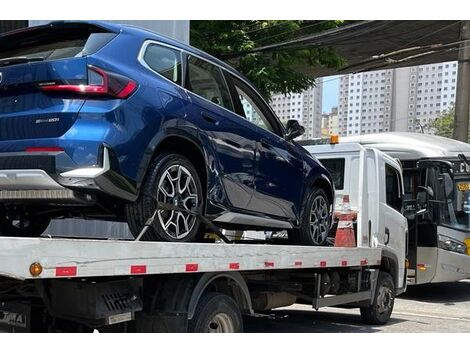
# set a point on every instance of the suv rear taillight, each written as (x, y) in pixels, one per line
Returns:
(100, 83)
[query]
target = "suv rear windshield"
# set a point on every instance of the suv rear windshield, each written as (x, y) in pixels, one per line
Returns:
(53, 42)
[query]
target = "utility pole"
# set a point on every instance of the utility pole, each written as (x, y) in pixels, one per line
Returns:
(462, 101)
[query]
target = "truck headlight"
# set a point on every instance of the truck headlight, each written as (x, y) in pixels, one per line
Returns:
(449, 244)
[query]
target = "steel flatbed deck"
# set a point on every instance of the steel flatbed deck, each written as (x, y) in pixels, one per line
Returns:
(61, 257)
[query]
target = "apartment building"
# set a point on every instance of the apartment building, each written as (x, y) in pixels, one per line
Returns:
(404, 99)
(305, 107)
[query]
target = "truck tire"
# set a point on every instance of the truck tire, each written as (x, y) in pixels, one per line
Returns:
(216, 312)
(171, 179)
(379, 312)
(315, 221)
(28, 226)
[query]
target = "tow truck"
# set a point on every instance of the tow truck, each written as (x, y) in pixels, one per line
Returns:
(77, 284)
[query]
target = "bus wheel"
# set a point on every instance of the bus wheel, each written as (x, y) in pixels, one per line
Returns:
(379, 312)
(216, 312)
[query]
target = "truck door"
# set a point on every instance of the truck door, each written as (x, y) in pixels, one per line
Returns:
(392, 225)
(422, 239)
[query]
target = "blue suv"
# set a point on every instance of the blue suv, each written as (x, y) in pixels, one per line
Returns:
(105, 121)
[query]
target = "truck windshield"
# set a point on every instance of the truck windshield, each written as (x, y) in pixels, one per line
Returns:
(456, 210)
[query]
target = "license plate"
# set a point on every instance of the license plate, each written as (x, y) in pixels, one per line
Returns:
(13, 319)
(463, 187)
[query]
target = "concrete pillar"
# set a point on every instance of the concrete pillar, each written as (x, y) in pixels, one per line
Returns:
(462, 101)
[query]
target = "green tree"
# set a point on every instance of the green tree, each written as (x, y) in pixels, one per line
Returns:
(273, 72)
(444, 124)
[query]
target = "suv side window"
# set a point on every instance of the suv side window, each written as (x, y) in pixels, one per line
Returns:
(393, 187)
(165, 61)
(252, 111)
(208, 81)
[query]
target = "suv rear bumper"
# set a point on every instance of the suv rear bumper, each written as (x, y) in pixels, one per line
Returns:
(53, 176)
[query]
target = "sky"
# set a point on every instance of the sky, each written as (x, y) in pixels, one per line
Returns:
(330, 93)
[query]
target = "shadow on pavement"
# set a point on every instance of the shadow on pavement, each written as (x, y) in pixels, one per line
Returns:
(298, 321)
(448, 293)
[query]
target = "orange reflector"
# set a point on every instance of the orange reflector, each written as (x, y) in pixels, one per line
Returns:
(334, 139)
(35, 269)
(407, 264)
(421, 267)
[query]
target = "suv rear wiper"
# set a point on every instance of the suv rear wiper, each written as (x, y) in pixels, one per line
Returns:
(18, 60)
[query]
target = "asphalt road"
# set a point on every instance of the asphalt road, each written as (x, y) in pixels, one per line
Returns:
(429, 308)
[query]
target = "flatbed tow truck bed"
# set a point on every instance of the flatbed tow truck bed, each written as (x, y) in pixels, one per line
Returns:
(65, 284)
(105, 258)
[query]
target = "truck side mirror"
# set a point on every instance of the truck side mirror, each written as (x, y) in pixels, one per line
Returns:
(294, 129)
(410, 208)
(422, 198)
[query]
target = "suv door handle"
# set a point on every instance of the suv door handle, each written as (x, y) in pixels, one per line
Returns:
(209, 118)
(387, 236)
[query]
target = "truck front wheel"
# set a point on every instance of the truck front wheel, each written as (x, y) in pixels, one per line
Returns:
(216, 312)
(379, 312)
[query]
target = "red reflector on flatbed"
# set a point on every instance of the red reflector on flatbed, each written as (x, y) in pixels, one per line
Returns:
(138, 269)
(344, 262)
(66, 271)
(192, 267)
(323, 263)
(298, 263)
(269, 264)
(234, 266)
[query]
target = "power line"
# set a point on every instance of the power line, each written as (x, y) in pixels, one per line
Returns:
(268, 27)
(430, 34)
(317, 35)
(294, 30)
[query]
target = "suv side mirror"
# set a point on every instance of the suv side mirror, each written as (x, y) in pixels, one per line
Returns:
(294, 129)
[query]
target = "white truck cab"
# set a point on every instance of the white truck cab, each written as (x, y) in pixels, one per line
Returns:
(436, 172)
(374, 182)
